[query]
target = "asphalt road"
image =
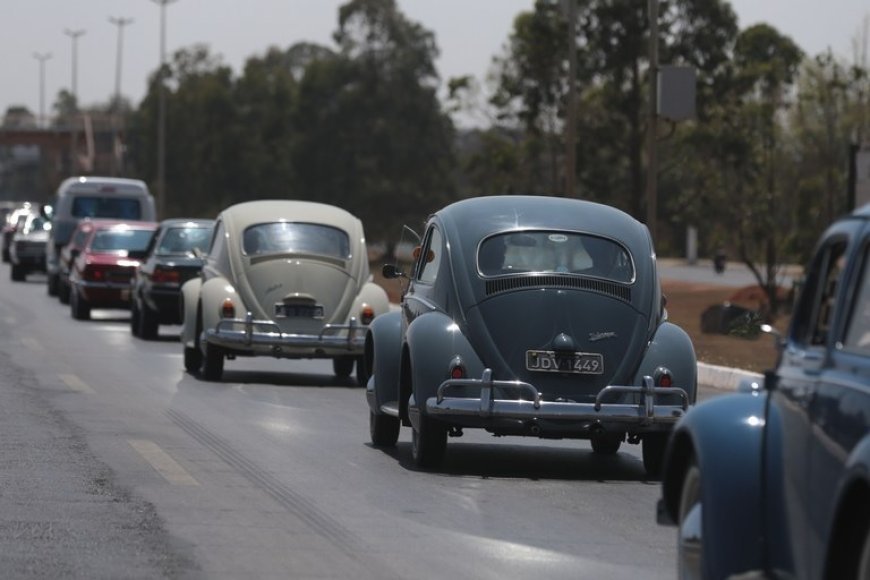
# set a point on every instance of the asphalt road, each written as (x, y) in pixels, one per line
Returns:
(118, 464)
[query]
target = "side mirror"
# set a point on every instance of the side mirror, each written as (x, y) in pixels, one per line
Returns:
(391, 272)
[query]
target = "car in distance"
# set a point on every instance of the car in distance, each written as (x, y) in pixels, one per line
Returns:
(530, 316)
(774, 481)
(27, 251)
(100, 274)
(68, 253)
(173, 257)
(15, 220)
(281, 278)
(93, 197)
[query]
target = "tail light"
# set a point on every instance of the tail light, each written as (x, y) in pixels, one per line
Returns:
(663, 377)
(228, 310)
(457, 368)
(367, 314)
(164, 276)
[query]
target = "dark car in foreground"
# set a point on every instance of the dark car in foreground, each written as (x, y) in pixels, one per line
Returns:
(173, 257)
(530, 316)
(774, 481)
(27, 250)
(100, 274)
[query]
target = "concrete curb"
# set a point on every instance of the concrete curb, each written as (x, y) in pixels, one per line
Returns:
(724, 378)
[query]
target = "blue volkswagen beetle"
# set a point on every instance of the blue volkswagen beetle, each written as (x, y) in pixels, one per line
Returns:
(529, 316)
(774, 482)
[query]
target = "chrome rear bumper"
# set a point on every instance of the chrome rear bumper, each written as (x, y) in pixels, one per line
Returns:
(265, 337)
(645, 416)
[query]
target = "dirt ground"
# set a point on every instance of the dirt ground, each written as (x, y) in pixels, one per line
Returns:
(686, 302)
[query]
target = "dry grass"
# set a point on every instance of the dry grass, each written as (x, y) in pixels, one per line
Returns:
(686, 302)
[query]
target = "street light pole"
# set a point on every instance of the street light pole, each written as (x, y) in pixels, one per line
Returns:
(41, 57)
(118, 157)
(161, 115)
(74, 35)
(652, 126)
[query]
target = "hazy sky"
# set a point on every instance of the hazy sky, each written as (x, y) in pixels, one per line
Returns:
(468, 32)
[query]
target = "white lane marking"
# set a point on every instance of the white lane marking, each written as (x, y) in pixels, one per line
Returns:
(76, 384)
(162, 462)
(32, 344)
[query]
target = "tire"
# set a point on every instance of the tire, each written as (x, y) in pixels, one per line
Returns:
(864, 562)
(6, 257)
(690, 545)
(78, 306)
(134, 319)
(342, 366)
(429, 443)
(606, 444)
(148, 323)
(362, 374)
(383, 429)
(62, 292)
(192, 359)
(17, 273)
(51, 285)
(212, 363)
(654, 445)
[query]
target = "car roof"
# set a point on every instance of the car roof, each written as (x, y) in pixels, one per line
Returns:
(187, 222)
(245, 214)
(108, 224)
(476, 218)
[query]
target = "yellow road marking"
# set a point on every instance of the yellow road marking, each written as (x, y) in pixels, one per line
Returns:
(32, 344)
(76, 384)
(162, 462)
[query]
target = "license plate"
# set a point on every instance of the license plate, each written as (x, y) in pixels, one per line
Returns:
(298, 311)
(581, 363)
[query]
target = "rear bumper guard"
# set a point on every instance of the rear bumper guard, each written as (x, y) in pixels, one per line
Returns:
(533, 407)
(249, 333)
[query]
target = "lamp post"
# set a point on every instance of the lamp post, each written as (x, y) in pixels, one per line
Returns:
(41, 57)
(652, 126)
(74, 36)
(161, 115)
(118, 157)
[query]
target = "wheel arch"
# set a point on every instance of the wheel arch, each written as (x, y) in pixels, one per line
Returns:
(851, 524)
(382, 352)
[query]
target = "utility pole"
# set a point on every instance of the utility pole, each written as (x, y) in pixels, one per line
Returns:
(652, 125)
(161, 115)
(571, 117)
(74, 36)
(118, 159)
(41, 57)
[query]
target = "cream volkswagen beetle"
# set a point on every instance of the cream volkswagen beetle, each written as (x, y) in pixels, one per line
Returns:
(287, 279)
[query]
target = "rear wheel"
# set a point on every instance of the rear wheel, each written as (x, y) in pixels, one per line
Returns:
(428, 443)
(192, 359)
(147, 323)
(51, 286)
(689, 525)
(384, 429)
(864, 564)
(606, 443)
(134, 319)
(654, 452)
(17, 273)
(62, 292)
(342, 366)
(362, 372)
(212, 363)
(78, 306)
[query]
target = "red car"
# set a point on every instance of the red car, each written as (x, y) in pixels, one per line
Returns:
(100, 275)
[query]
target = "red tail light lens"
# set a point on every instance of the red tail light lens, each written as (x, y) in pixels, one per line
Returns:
(663, 377)
(367, 314)
(163, 276)
(94, 273)
(227, 309)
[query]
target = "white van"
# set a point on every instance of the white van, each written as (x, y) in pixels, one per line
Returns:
(93, 197)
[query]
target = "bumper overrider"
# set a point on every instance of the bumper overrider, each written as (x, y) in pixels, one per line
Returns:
(266, 337)
(529, 406)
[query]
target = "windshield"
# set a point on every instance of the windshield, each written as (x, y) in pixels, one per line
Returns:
(560, 252)
(106, 207)
(115, 240)
(296, 238)
(183, 241)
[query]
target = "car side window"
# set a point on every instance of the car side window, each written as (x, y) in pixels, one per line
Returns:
(858, 330)
(825, 304)
(430, 258)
